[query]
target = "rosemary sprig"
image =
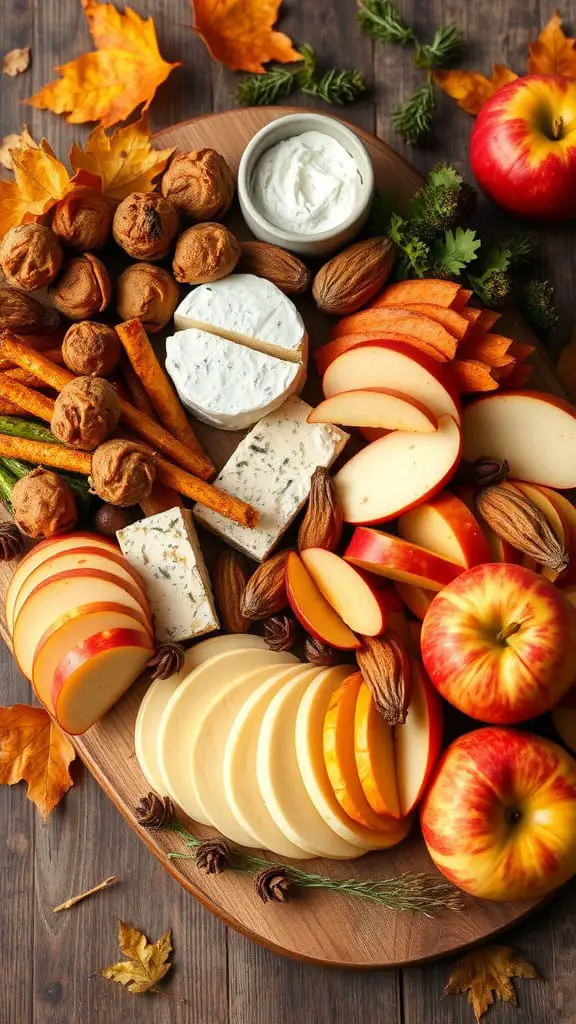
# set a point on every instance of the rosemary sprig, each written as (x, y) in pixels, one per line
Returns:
(337, 85)
(414, 891)
(380, 20)
(262, 90)
(446, 46)
(413, 121)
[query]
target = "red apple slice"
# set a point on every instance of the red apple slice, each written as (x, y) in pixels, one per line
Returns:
(417, 743)
(398, 560)
(416, 599)
(59, 595)
(312, 609)
(79, 558)
(447, 526)
(533, 431)
(398, 367)
(389, 410)
(346, 590)
(399, 471)
(91, 677)
(68, 630)
(40, 552)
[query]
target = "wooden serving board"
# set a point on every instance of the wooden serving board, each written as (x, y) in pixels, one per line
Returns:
(316, 926)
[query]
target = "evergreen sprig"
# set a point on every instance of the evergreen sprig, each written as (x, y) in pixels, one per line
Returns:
(380, 20)
(342, 85)
(413, 120)
(446, 47)
(337, 85)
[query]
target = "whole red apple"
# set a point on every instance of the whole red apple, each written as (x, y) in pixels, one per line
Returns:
(499, 643)
(499, 817)
(523, 147)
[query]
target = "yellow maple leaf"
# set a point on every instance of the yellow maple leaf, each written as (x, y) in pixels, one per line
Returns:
(239, 33)
(471, 89)
(34, 750)
(485, 973)
(108, 84)
(553, 53)
(147, 964)
(13, 207)
(40, 176)
(124, 162)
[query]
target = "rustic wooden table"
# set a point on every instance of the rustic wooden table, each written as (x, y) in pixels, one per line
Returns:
(49, 963)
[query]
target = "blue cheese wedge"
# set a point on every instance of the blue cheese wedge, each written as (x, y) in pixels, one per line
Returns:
(271, 469)
(165, 550)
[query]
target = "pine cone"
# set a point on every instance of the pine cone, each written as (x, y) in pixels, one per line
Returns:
(167, 660)
(280, 632)
(273, 885)
(319, 653)
(213, 856)
(484, 472)
(154, 812)
(12, 542)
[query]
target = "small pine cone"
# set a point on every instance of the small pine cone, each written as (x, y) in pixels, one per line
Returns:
(319, 653)
(280, 632)
(484, 472)
(273, 885)
(154, 812)
(167, 660)
(213, 856)
(12, 542)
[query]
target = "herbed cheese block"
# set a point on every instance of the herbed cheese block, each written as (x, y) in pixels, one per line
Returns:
(271, 469)
(165, 551)
(226, 384)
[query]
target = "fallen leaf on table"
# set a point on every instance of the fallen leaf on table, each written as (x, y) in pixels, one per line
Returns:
(470, 88)
(124, 162)
(147, 963)
(34, 750)
(8, 142)
(12, 206)
(485, 973)
(40, 176)
(553, 53)
(16, 61)
(240, 34)
(108, 84)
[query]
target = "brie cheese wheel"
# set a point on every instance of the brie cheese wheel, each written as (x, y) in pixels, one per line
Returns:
(249, 310)
(226, 384)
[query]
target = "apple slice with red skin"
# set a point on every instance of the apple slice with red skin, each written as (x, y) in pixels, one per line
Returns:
(416, 599)
(346, 590)
(91, 677)
(69, 629)
(312, 609)
(390, 556)
(380, 407)
(398, 472)
(60, 594)
(417, 743)
(446, 525)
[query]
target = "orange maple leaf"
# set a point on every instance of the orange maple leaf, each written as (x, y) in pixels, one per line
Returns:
(471, 89)
(124, 162)
(34, 750)
(553, 53)
(108, 84)
(12, 206)
(41, 178)
(239, 33)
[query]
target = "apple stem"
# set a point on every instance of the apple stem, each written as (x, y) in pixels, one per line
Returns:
(557, 127)
(508, 630)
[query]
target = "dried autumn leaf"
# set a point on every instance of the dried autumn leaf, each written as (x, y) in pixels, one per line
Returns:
(108, 84)
(240, 35)
(40, 177)
(34, 750)
(553, 53)
(471, 89)
(8, 143)
(124, 162)
(12, 206)
(16, 61)
(147, 963)
(485, 973)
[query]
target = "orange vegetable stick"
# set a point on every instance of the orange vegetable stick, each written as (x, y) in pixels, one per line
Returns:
(156, 384)
(54, 354)
(483, 319)
(57, 377)
(472, 375)
(329, 352)
(226, 504)
(521, 352)
(32, 402)
(492, 349)
(454, 323)
(442, 293)
(462, 299)
(135, 388)
(9, 409)
(519, 377)
(41, 454)
(402, 321)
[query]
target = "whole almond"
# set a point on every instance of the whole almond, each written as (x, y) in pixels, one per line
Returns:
(385, 668)
(265, 592)
(322, 524)
(229, 578)
(349, 280)
(20, 312)
(284, 269)
(516, 519)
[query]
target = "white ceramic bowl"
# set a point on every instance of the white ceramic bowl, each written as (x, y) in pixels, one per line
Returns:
(321, 242)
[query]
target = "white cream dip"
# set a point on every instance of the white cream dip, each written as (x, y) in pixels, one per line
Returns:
(306, 184)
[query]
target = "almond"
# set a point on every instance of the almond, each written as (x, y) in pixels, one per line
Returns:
(516, 519)
(265, 592)
(229, 579)
(21, 313)
(385, 668)
(353, 277)
(284, 269)
(322, 524)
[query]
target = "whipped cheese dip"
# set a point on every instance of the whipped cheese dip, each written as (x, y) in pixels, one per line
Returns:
(307, 184)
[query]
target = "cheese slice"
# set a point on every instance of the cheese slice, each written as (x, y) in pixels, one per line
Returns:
(226, 384)
(271, 469)
(250, 311)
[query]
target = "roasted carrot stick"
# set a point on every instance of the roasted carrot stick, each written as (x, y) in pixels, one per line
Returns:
(25, 398)
(226, 504)
(41, 454)
(136, 389)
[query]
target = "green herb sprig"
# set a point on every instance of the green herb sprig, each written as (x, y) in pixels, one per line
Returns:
(336, 85)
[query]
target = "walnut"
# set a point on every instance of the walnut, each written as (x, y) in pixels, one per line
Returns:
(200, 184)
(148, 293)
(205, 252)
(122, 472)
(82, 289)
(91, 349)
(86, 412)
(145, 225)
(83, 220)
(30, 256)
(43, 504)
